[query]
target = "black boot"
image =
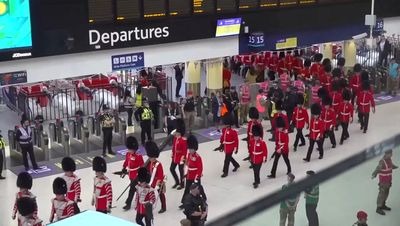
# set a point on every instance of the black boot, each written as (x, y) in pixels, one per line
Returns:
(380, 211)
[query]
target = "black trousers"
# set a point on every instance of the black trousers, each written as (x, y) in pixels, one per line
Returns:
(345, 131)
(256, 171)
(139, 219)
(311, 148)
(130, 114)
(229, 159)
(187, 190)
(275, 165)
(28, 149)
(107, 139)
(299, 136)
(178, 87)
(383, 59)
(146, 129)
(1, 161)
(331, 135)
(132, 190)
(364, 120)
(172, 168)
(312, 215)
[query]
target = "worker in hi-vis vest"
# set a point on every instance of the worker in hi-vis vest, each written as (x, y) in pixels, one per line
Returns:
(144, 115)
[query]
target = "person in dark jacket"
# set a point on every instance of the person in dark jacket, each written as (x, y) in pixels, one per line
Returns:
(196, 208)
(384, 49)
(179, 69)
(24, 138)
(289, 103)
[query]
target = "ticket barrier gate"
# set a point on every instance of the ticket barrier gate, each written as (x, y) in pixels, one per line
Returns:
(58, 146)
(205, 109)
(78, 136)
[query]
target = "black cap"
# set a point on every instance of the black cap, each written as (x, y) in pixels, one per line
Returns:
(280, 122)
(152, 149)
(318, 57)
(315, 109)
(192, 143)
(357, 68)
(24, 180)
(132, 143)
(68, 164)
(307, 62)
(26, 206)
(253, 113)
(59, 186)
(256, 130)
(143, 175)
(180, 126)
(99, 164)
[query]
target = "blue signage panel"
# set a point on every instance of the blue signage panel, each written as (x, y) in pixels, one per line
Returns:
(15, 77)
(256, 39)
(127, 61)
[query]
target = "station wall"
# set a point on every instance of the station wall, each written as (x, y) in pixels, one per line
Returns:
(392, 25)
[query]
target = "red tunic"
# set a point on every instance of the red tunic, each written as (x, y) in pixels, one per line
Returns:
(300, 117)
(102, 193)
(230, 140)
(326, 81)
(289, 59)
(282, 142)
(317, 127)
(306, 72)
(281, 66)
(74, 187)
(346, 112)
(179, 150)
(157, 173)
(337, 99)
(273, 63)
(61, 209)
(297, 65)
(250, 128)
(194, 167)
(226, 75)
(355, 83)
(132, 163)
(258, 151)
(329, 117)
(280, 114)
(144, 195)
(316, 69)
(365, 100)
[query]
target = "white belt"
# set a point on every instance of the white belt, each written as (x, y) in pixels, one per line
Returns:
(257, 153)
(299, 119)
(327, 120)
(315, 131)
(134, 169)
(192, 168)
(344, 113)
(101, 196)
(335, 104)
(364, 104)
(230, 142)
(385, 174)
(24, 142)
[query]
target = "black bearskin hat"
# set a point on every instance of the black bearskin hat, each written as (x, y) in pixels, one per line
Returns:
(280, 122)
(346, 95)
(318, 57)
(341, 61)
(335, 85)
(26, 206)
(322, 93)
(99, 164)
(68, 164)
(315, 109)
(132, 143)
(281, 55)
(327, 101)
(253, 113)
(300, 99)
(328, 68)
(343, 83)
(366, 85)
(192, 143)
(336, 72)
(271, 75)
(256, 130)
(143, 175)
(24, 180)
(228, 120)
(152, 149)
(297, 53)
(279, 105)
(307, 62)
(364, 76)
(326, 61)
(357, 68)
(180, 126)
(59, 186)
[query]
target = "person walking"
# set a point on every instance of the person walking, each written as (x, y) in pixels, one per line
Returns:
(300, 119)
(179, 153)
(189, 111)
(144, 115)
(179, 69)
(346, 115)
(61, 206)
(107, 125)
(195, 206)
(316, 132)
(281, 146)
(384, 49)
(230, 141)
(170, 115)
(24, 138)
(394, 73)
(312, 197)
(73, 182)
(2, 152)
(145, 198)
(365, 101)
(27, 208)
(288, 206)
(254, 121)
(244, 102)
(102, 188)
(24, 183)
(361, 219)
(129, 102)
(384, 170)
(258, 152)
(328, 115)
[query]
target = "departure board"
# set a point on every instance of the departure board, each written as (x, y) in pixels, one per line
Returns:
(306, 2)
(333, 1)
(226, 6)
(127, 9)
(203, 6)
(100, 11)
(248, 4)
(179, 7)
(154, 8)
(288, 2)
(268, 3)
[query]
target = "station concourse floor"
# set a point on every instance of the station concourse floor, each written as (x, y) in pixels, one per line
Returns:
(227, 194)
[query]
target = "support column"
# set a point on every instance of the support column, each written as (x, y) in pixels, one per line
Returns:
(193, 77)
(349, 52)
(327, 50)
(214, 76)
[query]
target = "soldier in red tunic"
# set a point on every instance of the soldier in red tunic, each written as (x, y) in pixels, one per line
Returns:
(194, 168)
(102, 189)
(306, 71)
(254, 120)
(297, 62)
(337, 99)
(316, 68)
(258, 152)
(27, 208)
(326, 78)
(300, 119)
(179, 152)
(355, 81)
(230, 141)
(346, 115)
(73, 182)
(281, 146)
(328, 115)
(24, 183)
(145, 198)
(61, 206)
(133, 161)
(384, 170)
(279, 113)
(365, 100)
(316, 132)
(156, 171)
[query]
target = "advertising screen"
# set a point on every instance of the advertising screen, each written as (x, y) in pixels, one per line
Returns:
(227, 27)
(15, 24)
